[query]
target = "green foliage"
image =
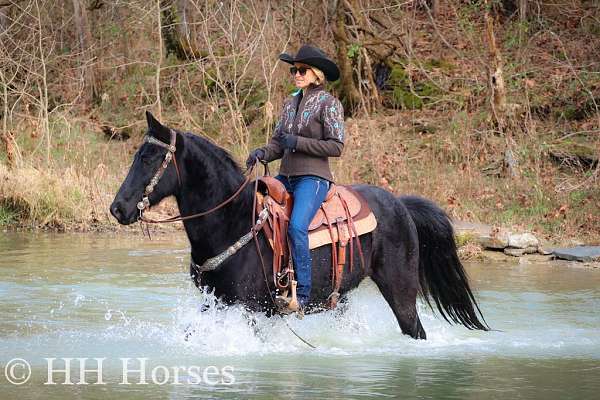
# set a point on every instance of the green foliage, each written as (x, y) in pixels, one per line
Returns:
(577, 197)
(8, 215)
(113, 29)
(353, 50)
(439, 63)
(463, 238)
(409, 94)
(516, 33)
(541, 204)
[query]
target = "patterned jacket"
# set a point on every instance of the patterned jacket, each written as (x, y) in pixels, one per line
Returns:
(317, 118)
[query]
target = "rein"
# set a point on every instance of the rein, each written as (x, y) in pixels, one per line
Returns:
(214, 262)
(145, 203)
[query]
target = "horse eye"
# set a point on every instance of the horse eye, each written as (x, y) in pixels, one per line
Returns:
(146, 159)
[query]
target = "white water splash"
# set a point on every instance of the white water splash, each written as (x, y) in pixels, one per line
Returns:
(197, 324)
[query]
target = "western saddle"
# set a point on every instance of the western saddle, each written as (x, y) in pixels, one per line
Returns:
(343, 216)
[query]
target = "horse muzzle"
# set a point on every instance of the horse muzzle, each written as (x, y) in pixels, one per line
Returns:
(118, 211)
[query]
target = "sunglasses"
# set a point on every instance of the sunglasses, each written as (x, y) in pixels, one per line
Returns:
(301, 70)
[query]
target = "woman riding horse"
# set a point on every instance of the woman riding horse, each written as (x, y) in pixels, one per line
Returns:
(310, 130)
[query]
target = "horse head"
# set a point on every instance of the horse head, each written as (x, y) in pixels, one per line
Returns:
(153, 175)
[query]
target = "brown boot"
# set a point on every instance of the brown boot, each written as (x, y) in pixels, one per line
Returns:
(288, 305)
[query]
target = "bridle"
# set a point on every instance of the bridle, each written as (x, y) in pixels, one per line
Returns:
(145, 202)
(214, 262)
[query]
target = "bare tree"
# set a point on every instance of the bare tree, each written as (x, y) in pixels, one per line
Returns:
(84, 35)
(498, 97)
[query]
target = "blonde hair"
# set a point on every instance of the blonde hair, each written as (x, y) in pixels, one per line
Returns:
(320, 75)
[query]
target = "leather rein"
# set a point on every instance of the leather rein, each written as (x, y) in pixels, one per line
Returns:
(145, 202)
(212, 263)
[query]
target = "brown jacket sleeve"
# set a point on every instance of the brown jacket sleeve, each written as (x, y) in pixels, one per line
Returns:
(320, 147)
(273, 149)
(332, 144)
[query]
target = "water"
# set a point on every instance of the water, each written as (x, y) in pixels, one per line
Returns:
(116, 297)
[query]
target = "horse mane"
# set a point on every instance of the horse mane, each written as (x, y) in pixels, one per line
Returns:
(214, 151)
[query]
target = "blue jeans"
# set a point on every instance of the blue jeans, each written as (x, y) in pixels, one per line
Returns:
(309, 191)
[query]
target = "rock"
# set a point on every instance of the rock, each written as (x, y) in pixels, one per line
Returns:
(485, 235)
(511, 251)
(579, 253)
(544, 251)
(522, 240)
(516, 252)
(490, 237)
(497, 241)
(575, 154)
(495, 256)
(524, 261)
(112, 133)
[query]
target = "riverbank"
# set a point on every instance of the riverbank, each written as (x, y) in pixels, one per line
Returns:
(398, 151)
(428, 126)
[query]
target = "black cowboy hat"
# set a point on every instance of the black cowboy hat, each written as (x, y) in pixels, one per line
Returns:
(314, 57)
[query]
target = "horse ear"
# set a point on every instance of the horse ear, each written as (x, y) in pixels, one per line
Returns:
(152, 122)
(157, 129)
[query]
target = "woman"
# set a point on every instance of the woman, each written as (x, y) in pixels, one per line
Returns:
(310, 130)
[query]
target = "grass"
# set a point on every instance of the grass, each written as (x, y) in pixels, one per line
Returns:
(446, 166)
(8, 215)
(437, 143)
(73, 191)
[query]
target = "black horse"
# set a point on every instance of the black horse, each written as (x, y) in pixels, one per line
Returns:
(412, 250)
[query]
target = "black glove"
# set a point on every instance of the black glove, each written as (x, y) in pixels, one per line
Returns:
(254, 154)
(287, 141)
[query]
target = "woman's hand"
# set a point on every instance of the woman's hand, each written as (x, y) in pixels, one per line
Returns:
(254, 154)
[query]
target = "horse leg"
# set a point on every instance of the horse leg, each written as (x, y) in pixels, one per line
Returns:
(402, 300)
(396, 272)
(403, 303)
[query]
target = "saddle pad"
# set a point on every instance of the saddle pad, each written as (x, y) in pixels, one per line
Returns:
(335, 209)
(321, 236)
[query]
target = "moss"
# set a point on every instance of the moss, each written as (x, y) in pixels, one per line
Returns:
(574, 149)
(569, 113)
(406, 94)
(463, 238)
(439, 63)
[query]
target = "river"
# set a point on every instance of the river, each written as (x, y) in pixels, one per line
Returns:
(116, 297)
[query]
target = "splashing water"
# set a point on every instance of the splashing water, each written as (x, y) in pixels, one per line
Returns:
(102, 299)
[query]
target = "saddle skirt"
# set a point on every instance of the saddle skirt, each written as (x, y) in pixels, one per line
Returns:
(343, 216)
(272, 194)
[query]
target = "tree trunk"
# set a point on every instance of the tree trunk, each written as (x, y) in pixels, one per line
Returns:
(350, 94)
(523, 10)
(496, 78)
(159, 61)
(366, 73)
(435, 8)
(123, 16)
(3, 19)
(498, 98)
(178, 33)
(356, 69)
(84, 36)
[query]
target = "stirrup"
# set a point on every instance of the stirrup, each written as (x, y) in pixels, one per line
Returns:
(288, 305)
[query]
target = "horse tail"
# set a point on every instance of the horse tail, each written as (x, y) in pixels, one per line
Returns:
(441, 274)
